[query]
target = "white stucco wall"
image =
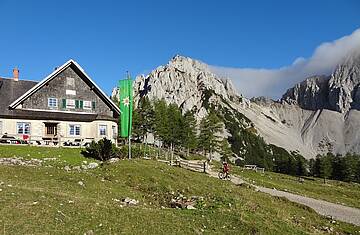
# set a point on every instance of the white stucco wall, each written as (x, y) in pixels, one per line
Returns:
(88, 130)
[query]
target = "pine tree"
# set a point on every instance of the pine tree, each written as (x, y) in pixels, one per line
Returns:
(317, 165)
(300, 166)
(137, 130)
(311, 166)
(349, 167)
(161, 120)
(210, 128)
(203, 139)
(189, 140)
(143, 119)
(225, 150)
(326, 166)
(175, 121)
(358, 171)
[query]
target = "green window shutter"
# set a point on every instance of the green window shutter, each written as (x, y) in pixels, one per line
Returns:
(77, 104)
(81, 104)
(64, 103)
(93, 105)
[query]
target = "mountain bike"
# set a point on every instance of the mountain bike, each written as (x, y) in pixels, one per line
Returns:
(224, 176)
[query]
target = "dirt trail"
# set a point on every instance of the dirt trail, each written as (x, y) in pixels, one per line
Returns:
(336, 211)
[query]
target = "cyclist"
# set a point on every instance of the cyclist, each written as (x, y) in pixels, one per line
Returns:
(226, 168)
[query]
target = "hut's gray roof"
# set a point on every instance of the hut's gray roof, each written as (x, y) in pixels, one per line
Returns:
(10, 90)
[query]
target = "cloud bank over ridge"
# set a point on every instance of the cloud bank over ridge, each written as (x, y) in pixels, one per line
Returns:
(274, 82)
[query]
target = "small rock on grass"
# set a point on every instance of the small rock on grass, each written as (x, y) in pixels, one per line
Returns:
(130, 202)
(113, 160)
(90, 232)
(81, 183)
(92, 165)
(77, 168)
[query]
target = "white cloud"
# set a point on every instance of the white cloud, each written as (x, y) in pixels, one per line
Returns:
(274, 82)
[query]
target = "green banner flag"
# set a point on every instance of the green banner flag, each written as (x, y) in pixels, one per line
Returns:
(126, 98)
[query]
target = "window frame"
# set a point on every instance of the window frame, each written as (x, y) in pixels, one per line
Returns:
(74, 126)
(56, 102)
(68, 105)
(114, 131)
(23, 128)
(100, 130)
(87, 107)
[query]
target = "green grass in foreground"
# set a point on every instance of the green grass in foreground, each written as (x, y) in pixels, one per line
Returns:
(42, 200)
(333, 191)
(64, 156)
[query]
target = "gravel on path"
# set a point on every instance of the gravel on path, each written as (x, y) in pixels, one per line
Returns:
(336, 211)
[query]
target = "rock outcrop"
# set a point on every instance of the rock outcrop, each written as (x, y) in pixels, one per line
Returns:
(339, 91)
(311, 94)
(324, 110)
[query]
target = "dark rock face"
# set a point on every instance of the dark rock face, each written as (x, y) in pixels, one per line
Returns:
(311, 94)
(338, 92)
(343, 86)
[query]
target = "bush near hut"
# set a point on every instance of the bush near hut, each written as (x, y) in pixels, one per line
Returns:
(102, 150)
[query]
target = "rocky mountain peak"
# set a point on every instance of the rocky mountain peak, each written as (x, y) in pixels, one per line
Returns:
(187, 64)
(186, 82)
(339, 91)
(189, 84)
(309, 94)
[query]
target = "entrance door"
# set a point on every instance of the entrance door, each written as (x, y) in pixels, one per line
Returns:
(50, 129)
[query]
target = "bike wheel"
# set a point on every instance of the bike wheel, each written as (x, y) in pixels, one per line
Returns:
(228, 177)
(221, 175)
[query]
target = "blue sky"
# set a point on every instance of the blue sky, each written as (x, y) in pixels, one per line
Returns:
(109, 37)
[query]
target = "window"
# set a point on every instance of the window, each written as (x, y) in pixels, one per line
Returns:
(51, 128)
(52, 102)
(87, 104)
(70, 103)
(79, 104)
(74, 130)
(114, 132)
(23, 128)
(102, 129)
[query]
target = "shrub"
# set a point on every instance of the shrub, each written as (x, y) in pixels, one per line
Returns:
(102, 150)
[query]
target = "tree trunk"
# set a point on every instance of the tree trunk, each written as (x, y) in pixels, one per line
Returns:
(172, 152)
(158, 152)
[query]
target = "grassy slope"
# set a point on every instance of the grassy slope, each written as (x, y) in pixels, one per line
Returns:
(227, 208)
(64, 156)
(333, 191)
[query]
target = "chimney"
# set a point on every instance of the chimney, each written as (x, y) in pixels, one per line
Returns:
(16, 74)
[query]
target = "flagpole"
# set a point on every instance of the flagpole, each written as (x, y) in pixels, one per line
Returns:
(128, 77)
(129, 147)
